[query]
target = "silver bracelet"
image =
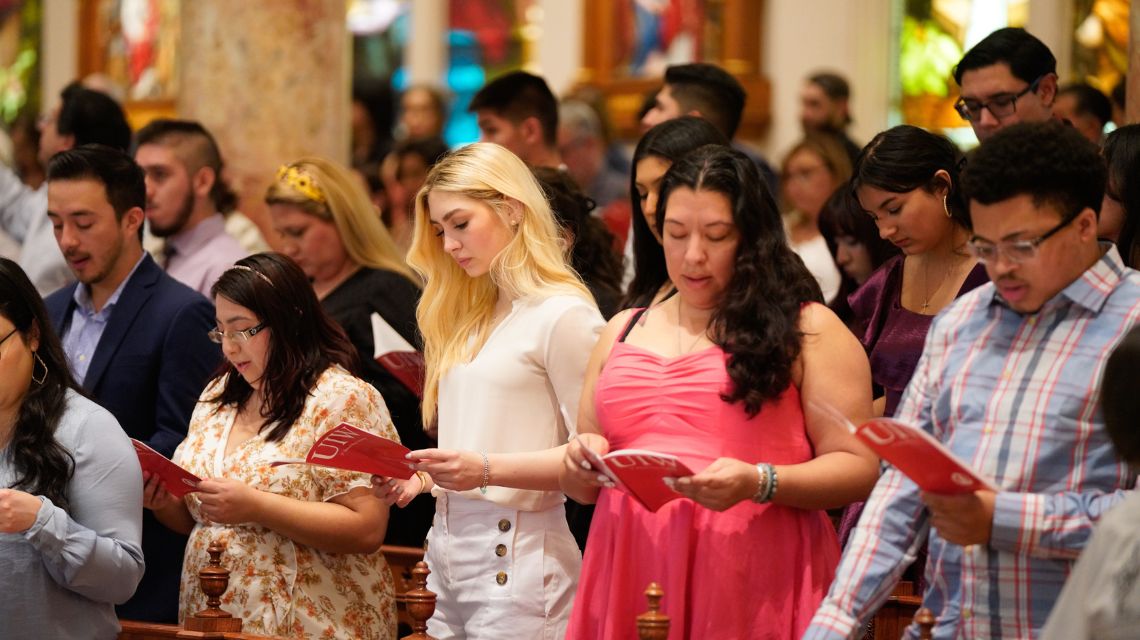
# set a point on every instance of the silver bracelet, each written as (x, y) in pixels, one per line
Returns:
(774, 481)
(486, 473)
(764, 481)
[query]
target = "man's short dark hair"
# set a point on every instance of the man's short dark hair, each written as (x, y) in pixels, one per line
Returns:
(710, 90)
(517, 96)
(92, 117)
(1090, 101)
(1049, 161)
(122, 178)
(1028, 58)
(204, 152)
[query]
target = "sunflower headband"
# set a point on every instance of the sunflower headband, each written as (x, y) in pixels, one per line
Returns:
(301, 182)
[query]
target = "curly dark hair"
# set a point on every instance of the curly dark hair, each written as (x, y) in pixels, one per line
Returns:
(591, 254)
(43, 466)
(1122, 153)
(669, 141)
(1049, 161)
(303, 340)
(757, 322)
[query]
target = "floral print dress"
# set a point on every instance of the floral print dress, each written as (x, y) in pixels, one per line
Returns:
(279, 587)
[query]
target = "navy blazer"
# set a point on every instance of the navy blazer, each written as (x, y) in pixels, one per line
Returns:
(151, 364)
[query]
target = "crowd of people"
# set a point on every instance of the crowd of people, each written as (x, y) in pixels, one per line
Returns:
(569, 302)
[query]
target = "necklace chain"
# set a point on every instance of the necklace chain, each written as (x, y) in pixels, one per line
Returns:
(680, 330)
(926, 292)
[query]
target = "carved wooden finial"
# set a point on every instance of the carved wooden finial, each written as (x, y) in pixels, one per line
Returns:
(420, 603)
(653, 625)
(214, 579)
(925, 620)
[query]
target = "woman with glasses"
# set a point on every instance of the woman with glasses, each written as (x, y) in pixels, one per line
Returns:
(302, 542)
(70, 520)
(906, 179)
(812, 171)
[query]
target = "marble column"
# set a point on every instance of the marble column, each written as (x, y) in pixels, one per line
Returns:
(271, 80)
(1132, 89)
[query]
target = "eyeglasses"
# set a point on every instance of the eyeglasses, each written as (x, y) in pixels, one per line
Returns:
(1001, 106)
(240, 337)
(5, 338)
(1016, 251)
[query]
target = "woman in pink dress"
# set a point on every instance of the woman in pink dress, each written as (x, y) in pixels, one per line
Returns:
(719, 376)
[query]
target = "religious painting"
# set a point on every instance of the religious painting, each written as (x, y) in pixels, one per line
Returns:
(932, 37)
(20, 27)
(630, 43)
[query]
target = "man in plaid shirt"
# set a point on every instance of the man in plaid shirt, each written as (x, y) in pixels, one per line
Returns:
(1008, 381)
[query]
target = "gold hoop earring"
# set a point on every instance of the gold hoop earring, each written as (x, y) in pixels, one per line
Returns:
(946, 207)
(40, 361)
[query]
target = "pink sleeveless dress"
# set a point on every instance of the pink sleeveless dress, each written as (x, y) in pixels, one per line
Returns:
(753, 571)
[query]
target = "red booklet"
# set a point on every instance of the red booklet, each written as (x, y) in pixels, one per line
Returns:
(177, 480)
(641, 473)
(922, 458)
(397, 355)
(352, 449)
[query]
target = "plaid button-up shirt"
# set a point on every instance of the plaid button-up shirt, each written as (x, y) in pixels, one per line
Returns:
(1017, 397)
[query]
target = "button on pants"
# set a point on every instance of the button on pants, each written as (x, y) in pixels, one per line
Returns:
(500, 573)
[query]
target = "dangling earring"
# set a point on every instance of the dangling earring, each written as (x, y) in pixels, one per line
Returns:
(946, 208)
(40, 361)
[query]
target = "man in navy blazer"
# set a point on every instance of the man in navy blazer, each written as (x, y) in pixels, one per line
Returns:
(135, 338)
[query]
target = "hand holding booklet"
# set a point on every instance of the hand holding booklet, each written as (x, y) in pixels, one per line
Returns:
(640, 473)
(352, 449)
(175, 479)
(913, 451)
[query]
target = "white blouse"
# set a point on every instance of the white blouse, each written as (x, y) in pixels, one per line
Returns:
(520, 393)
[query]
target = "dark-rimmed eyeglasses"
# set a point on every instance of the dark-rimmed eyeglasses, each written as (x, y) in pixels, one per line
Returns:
(240, 337)
(1003, 105)
(10, 334)
(1017, 251)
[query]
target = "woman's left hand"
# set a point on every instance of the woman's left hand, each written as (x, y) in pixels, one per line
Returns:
(227, 501)
(721, 485)
(17, 510)
(454, 470)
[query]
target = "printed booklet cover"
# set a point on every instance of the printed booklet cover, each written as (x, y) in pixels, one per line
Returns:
(177, 480)
(352, 449)
(640, 473)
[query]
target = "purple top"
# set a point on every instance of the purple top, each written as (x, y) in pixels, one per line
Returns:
(894, 336)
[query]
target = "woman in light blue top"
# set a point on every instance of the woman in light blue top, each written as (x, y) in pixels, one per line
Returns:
(70, 486)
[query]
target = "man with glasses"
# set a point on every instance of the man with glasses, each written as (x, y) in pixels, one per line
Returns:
(1008, 77)
(1008, 381)
(135, 338)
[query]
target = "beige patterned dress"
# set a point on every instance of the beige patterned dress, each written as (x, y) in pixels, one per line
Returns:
(279, 587)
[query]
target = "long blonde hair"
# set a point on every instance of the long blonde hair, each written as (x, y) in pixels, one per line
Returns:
(326, 190)
(456, 307)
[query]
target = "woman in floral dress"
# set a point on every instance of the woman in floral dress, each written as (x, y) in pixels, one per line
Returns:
(302, 542)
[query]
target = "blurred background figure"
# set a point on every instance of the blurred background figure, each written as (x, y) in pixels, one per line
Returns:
(372, 118)
(1086, 108)
(1121, 207)
(403, 173)
(855, 244)
(812, 171)
(423, 112)
(824, 108)
(590, 244)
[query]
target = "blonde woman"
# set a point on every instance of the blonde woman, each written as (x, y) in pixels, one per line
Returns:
(327, 224)
(507, 329)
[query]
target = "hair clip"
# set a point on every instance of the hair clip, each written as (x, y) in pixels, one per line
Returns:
(301, 182)
(253, 271)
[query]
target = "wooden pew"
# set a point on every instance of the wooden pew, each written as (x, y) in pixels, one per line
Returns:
(401, 562)
(653, 625)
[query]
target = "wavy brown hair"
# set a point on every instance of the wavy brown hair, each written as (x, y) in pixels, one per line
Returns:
(43, 466)
(757, 320)
(303, 340)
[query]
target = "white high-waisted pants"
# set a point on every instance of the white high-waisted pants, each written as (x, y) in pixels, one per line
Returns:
(500, 573)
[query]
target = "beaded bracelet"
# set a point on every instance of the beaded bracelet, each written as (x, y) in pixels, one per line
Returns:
(486, 473)
(763, 481)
